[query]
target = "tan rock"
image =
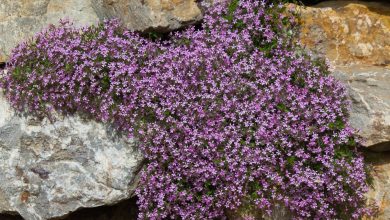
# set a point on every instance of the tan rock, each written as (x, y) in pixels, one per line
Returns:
(21, 19)
(348, 32)
(355, 37)
(379, 193)
(161, 15)
(247, 212)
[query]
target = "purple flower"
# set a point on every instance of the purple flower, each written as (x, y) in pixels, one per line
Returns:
(226, 115)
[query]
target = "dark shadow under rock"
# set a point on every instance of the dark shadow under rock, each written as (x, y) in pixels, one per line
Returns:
(10, 217)
(126, 210)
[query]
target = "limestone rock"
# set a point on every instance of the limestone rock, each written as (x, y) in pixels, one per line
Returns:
(20, 19)
(348, 32)
(369, 90)
(49, 169)
(161, 15)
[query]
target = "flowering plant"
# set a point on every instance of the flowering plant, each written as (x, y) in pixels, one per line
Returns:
(229, 114)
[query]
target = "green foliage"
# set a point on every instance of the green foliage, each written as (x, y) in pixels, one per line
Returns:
(231, 8)
(338, 124)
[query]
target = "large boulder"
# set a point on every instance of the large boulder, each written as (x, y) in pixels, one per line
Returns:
(355, 37)
(348, 32)
(20, 20)
(51, 168)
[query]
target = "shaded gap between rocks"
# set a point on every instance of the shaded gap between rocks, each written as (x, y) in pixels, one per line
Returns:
(125, 210)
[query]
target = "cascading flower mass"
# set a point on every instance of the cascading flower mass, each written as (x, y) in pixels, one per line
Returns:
(228, 115)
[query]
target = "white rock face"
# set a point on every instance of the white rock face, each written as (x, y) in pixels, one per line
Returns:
(51, 169)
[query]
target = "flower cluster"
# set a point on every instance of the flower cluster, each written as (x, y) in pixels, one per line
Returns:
(230, 114)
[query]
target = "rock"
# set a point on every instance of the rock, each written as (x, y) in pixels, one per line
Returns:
(20, 20)
(369, 90)
(378, 194)
(246, 212)
(166, 15)
(348, 32)
(355, 37)
(49, 169)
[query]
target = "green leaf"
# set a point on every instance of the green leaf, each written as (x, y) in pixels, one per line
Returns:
(19, 73)
(210, 189)
(231, 9)
(167, 113)
(343, 152)
(338, 124)
(233, 6)
(291, 160)
(68, 67)
(239, 25)
(351, 142)
(282, 107)
(105, 83)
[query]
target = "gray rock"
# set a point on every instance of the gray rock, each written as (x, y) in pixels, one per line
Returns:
(20, 20)
(369, 89)
(49, 169)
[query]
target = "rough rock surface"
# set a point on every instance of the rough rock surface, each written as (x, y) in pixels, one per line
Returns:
(379, 194)
(51, 169)
(355, 37)
(159, 15)
(369, 90)
(20, 19)
(348, 32)
(245, 213)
